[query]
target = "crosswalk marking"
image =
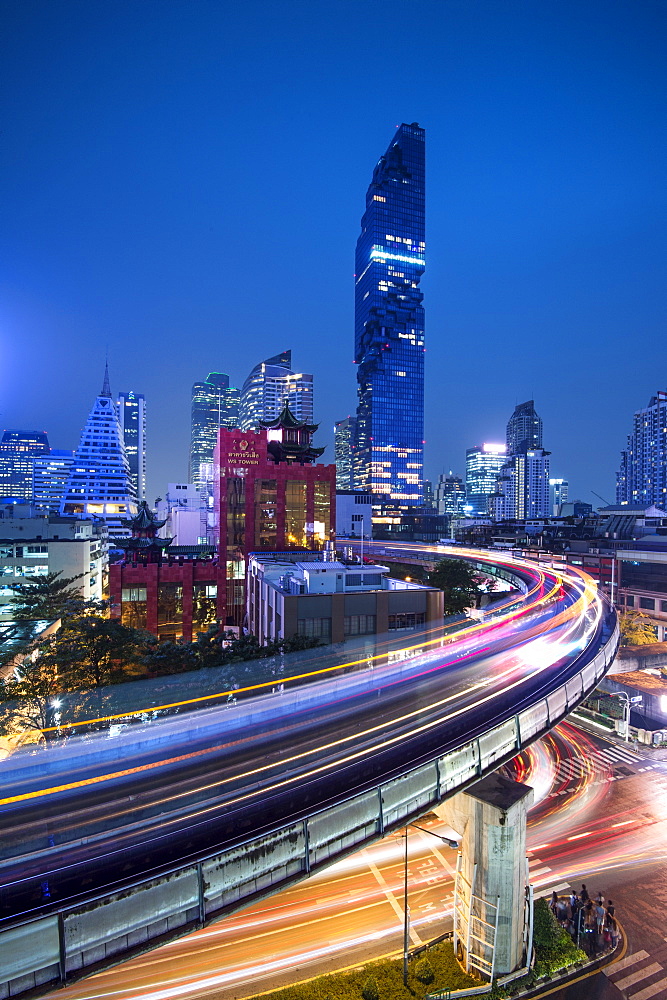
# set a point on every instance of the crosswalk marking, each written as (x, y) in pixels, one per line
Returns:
(625, 963)
(651, 991)
(546, 890)
(539, 871)
(635, 977)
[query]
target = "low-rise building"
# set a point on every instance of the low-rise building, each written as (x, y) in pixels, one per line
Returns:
(36, 546)
(333, 600)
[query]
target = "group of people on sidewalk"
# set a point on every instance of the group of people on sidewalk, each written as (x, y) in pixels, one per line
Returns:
(590, 922)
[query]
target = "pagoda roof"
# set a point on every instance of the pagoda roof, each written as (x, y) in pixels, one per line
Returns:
(286, 419)
(144, 519)
(143, 543)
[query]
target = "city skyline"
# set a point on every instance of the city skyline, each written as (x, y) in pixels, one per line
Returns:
(544, 172)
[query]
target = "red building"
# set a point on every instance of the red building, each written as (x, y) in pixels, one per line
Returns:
(270, 496)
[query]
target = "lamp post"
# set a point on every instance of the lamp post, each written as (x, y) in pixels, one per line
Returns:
(626, 710)
(406, 908)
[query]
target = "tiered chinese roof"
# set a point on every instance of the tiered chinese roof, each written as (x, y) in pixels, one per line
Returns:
(144, 545)
(290, 440)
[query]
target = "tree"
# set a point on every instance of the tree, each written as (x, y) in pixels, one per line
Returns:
(91, 652)
(49, 597)
(424, 971)
(636, 629)
(27, 699)
(369, 990)
(458, 582)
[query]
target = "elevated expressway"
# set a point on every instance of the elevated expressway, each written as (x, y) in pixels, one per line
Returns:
(116, 841)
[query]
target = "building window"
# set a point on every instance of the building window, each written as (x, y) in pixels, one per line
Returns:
(204, 611)
(630, 600)
(170, 611)
(265, 514)
(322, 513)
(236, 513)
(133, 607)
(295, 513)
(359, 624)
(663, 606)
(317, 628)
(406, 620)
(372, 579)
(647, 603)
(353, 580)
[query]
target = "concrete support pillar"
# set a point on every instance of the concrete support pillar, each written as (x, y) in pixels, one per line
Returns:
(490, 817)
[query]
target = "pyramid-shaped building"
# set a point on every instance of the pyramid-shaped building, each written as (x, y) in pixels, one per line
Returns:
(100, 484)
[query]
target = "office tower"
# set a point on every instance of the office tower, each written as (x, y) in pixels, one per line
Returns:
(215, 404)
(99, 482)
(450, 495)
(269, 386)
(429, 497)
(132, 418)
(558, 494)
(50, 474)
(524, 429)
(523, 483)
(18, 450)
(344, 432)
(642, 478)
(483, 465)
(389, 324)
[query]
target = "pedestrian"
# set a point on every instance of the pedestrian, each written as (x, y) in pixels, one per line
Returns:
(611, 909)
(583, 895)
(613, 930)
(554, 902)
(599, 899)
(600, 916)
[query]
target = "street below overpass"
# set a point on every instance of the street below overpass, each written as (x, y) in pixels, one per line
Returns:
(600, 817)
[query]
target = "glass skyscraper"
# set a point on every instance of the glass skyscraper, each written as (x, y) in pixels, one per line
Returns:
(483, 465)
(18, 450)
(389, 324)
(215, 404)
(132, 418)
(269, 386)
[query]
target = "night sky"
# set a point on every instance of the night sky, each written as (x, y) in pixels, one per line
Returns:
(182, 183)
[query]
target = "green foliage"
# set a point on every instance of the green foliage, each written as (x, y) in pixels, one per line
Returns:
(458, 582)
(399, 571)
(636, 629)
(547, 931)
(49, 597)
(385, 976)
(424, 970)
(92, 652)
(369, 990)
(26, 700)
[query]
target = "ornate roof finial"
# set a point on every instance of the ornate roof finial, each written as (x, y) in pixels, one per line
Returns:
(106, 388)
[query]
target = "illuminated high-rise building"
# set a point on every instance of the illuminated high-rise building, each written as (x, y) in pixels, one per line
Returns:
(450, 495)
(344, 432)
(18, 450)
(99, 482)
(132, 418)
(523, 482)
(483, 465)
(389, 324)
(642, 478)
(270, 385)
(215, 404)
(559, 490)
(50, 474)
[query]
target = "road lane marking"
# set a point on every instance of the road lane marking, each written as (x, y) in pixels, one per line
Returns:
(395, 905)
(635, 977)
(625, 963)
(651, 991)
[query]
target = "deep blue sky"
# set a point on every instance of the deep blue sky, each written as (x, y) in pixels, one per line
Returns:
(182, 182)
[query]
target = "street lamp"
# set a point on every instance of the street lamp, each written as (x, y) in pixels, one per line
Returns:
(406, 908)
(626, 709)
